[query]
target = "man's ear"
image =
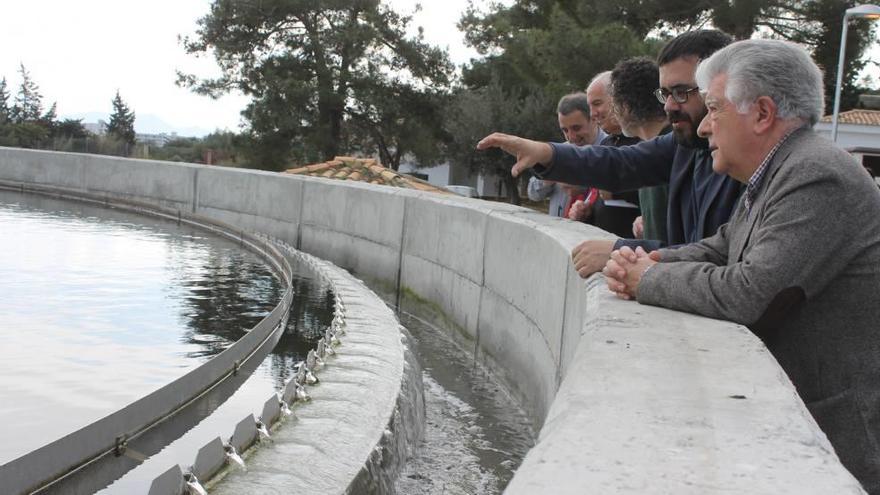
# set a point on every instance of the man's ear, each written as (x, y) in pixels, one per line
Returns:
(766, 114)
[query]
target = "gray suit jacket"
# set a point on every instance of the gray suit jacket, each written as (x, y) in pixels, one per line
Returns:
(802, 270)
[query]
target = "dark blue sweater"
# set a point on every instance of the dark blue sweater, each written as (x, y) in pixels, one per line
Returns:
(700, 200)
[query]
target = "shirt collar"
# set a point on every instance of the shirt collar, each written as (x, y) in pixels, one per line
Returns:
(757, 178)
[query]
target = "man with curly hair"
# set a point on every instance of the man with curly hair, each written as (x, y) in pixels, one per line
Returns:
(613, 213)
(639, 114)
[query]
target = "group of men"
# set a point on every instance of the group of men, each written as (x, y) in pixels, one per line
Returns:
(584, 119)
(767, 223)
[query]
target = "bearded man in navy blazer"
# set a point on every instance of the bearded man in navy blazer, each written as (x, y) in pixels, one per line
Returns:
(799, 261)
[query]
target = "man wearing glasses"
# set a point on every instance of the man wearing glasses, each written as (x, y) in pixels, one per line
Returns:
(700, 200)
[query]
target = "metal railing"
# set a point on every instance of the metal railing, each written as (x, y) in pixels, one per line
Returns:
(217, 454)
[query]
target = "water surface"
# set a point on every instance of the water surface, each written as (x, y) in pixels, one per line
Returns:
(99, 307)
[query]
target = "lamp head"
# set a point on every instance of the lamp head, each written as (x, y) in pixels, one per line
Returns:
(864, 11)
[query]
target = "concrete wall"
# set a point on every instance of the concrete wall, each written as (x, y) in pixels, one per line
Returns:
(628, 398)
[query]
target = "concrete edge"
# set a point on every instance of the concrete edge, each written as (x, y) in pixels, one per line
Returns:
(657, 401)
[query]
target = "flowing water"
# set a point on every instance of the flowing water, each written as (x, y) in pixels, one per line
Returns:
(476, 434)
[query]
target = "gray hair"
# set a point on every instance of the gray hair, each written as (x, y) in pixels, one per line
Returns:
(573, 102)
(778, 69)
(603, 78)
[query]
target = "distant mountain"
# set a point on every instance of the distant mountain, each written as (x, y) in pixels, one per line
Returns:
(144, 124)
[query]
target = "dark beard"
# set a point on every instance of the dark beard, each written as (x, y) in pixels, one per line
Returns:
(687, 138)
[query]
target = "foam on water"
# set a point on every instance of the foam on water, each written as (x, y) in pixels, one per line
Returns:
(475, 436)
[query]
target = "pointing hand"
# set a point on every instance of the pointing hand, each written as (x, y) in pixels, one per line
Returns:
(528, 153)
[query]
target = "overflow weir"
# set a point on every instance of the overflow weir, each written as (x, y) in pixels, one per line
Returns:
(627, 398)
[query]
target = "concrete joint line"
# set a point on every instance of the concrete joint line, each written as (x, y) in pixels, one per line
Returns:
(403, 230)
(450, 269)
(326, 228)
(195, 195)
(564, 321)
(482, 288)
(299, 220)
(519, 310)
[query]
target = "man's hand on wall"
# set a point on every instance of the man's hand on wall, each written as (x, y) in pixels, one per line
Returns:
(624, 271)
(590, 256)
(638, 227)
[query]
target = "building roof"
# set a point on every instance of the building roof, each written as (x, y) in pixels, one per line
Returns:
(858, 116)
(364, 170)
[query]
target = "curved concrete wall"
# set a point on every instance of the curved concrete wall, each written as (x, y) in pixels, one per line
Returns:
(628, 398)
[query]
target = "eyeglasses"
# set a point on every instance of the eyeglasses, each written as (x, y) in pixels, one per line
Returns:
(678, 93)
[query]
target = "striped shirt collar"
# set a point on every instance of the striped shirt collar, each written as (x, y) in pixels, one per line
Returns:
(758, 177)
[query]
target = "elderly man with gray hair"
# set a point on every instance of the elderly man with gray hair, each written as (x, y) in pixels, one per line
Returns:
(799, 261)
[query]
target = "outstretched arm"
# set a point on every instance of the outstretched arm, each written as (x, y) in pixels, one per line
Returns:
(528, 153)
(648, 163)
(616, 169)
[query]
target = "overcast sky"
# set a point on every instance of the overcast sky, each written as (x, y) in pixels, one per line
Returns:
(81, 52)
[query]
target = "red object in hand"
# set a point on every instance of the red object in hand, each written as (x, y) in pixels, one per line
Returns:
(589, 198)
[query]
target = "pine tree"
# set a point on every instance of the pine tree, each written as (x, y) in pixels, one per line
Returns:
(4, 102)
(28, 104)
(121, 123)
(49, 120)
(51, 114)
(324, 77)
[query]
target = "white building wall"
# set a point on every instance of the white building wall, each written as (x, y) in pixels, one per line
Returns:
(437, 175)
(851, 135)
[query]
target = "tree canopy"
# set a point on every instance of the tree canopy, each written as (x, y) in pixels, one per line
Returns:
(121, 125)
(542, 38)
(28, 103)
(324, 76)
(538, 50)
(535, 51)
(332, 77)
(474, 113)
(4, 102)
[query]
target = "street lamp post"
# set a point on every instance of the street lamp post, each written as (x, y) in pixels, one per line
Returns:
(868, 12)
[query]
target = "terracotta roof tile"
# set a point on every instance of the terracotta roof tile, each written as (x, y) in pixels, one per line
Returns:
(422, 187)
(364, 170)
(857, 117)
